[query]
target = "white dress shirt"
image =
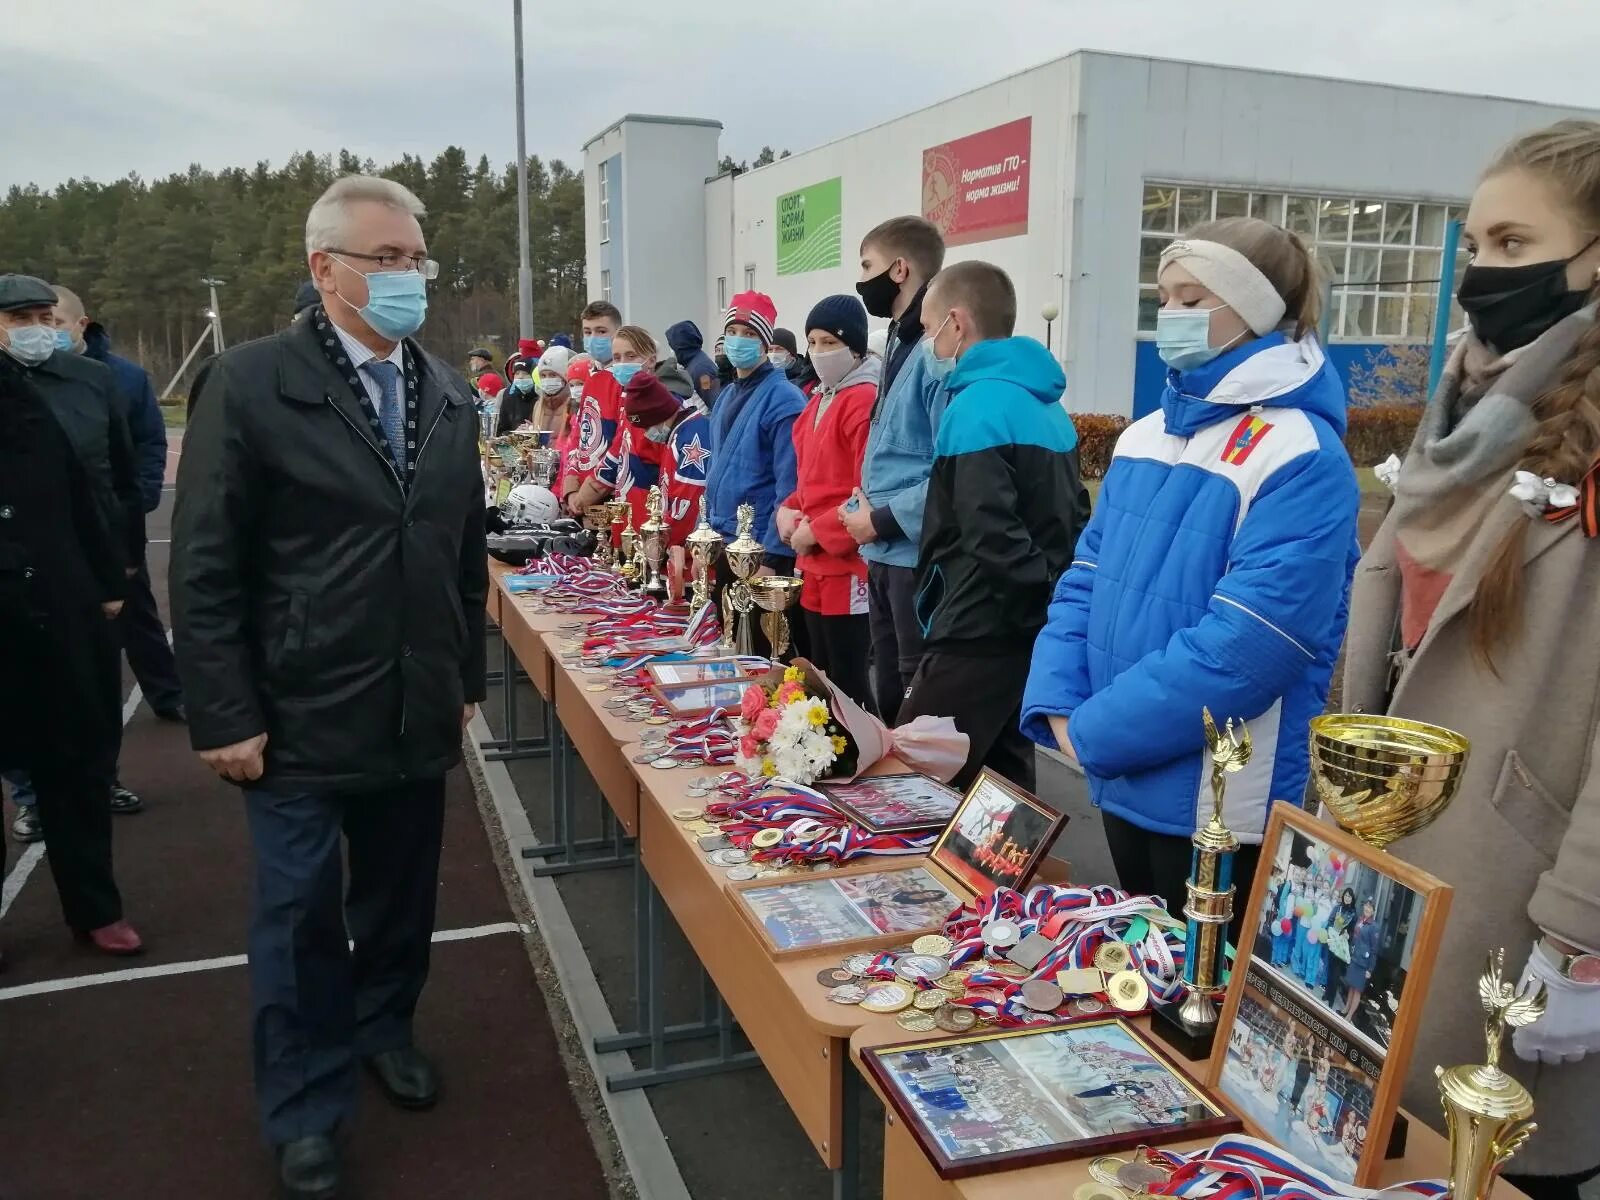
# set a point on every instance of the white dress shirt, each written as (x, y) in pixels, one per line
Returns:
(359, 356)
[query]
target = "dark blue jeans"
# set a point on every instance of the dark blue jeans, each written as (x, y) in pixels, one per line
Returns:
(318, 1004)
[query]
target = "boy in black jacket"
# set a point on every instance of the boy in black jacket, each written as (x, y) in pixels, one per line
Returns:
(1004, 510)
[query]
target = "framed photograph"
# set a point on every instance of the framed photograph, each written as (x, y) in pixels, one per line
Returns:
(908, 803)
(1013, 1098)
(998, 836)
(843, 909)
(703, 670)
(1316, 1034)
(698, 699)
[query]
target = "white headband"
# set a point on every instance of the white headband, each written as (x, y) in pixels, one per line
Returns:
(1236, 280)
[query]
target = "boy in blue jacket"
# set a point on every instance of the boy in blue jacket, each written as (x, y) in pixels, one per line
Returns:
(898, 258)
(752, 440)
(1004, 509)
(1217, 567)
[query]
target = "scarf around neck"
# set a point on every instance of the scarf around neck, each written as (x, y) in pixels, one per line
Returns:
(1464, 458)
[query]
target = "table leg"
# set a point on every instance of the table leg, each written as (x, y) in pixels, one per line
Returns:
(564, 822)
(511, 747)
(847, 1175)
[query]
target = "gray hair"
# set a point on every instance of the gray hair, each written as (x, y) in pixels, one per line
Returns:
(326, 221)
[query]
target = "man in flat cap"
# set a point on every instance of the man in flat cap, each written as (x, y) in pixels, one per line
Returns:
(73, 783)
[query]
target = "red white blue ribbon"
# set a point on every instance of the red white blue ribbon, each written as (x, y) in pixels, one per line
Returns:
(1239, 1167)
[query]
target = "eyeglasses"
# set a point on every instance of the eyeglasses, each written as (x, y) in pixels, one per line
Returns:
(426, 267)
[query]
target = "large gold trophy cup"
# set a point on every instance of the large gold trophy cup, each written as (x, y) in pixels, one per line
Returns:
(704, 544)
(1383, 778)
(775, 595)
(744, 556)
(1490, 1114)
(653, 545)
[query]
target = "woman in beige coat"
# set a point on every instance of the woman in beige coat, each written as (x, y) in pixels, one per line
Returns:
(1477, 607)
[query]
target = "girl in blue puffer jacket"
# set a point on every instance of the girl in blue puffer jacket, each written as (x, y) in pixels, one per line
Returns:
(1216, 568)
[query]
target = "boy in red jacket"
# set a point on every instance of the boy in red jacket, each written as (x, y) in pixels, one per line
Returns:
(830, 438)
(598, 411)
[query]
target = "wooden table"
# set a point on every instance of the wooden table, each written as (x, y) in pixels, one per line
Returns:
(801, 1036)
(909, 1175)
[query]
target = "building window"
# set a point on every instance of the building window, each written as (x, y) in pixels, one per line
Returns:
(605, 203)
(749, 277)
(722, 292)
(605, 285)
(1382, 255)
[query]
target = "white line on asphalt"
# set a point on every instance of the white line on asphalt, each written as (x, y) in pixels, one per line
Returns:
(194, 966)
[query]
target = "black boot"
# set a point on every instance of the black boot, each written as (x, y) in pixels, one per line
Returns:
(308, 1168)
(406, 1076)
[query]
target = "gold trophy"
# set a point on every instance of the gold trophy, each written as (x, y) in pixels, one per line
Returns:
(598, 518)
(774, 595)
(744, 560)
(653, 545)
(704, 544)
(627, 550)
(1384, 777)
(1489, 1114)
(1193, 1026)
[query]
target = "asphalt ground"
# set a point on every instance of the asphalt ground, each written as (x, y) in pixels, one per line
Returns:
(130, 1078)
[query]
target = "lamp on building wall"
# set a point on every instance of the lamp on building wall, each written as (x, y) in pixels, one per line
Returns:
(1049, 312)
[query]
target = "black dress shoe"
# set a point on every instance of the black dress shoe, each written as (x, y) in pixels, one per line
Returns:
(308, 1168)
(406, 1077)
(176, 713)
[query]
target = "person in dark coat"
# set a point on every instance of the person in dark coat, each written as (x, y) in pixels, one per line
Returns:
(688, 347)
(328, 582)
(1363, 957)
(62, 582)
(144, 636)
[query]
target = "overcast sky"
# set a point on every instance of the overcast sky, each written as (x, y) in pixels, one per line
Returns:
(106, 87)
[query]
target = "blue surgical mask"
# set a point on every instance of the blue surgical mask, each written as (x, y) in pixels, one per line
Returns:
(64, 339)
(598, 345)
(523, 383)
(742, 352)
(30, 345)
(1183, 337)
(660, 434)
(397, 302)
(624, 372)
(940, 368)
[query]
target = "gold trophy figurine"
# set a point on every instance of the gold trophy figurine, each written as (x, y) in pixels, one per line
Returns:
(653, 545)
(744, 560)
(627, 551)
(1210, 904)
(598, 518)
(775, 595)
(1489, 1114)
(704, 544)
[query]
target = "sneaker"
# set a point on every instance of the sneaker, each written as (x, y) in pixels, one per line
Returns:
(26, 827)
(123, 801)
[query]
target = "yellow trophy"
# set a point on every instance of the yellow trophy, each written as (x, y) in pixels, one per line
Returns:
(744, 556)
(704, 544)
(598, 518)
(1489, 1114)
(653, 546)
(627, 550)
(775, 595)
(1384, 777)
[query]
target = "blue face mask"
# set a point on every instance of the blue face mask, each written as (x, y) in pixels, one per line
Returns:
(624, 372)
(523, 383)
(397, 302)
(1183, 337)
(30, 345)
(64, 339)
(940, 368)
(743, 352)
(598, 345)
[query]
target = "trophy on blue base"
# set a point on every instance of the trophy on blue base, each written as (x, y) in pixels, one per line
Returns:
(1191, 1026)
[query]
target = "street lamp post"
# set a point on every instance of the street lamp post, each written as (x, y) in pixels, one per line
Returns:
(215, 313)
(524, 265)
(1049, 312)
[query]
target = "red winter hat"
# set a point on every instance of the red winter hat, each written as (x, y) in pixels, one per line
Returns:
(647, 401)
(530, 348)
(491, 384)
(754, 309)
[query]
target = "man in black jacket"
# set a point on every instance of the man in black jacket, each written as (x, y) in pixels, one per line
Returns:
(62, 581)
(328, 583)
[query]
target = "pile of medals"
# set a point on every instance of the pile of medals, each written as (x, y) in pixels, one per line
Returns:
(783, 822)
(711, 827)
(915, 981)
(1123, 1178)
(1078, 946)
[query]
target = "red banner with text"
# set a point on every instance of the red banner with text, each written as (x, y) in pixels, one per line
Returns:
(976, 188)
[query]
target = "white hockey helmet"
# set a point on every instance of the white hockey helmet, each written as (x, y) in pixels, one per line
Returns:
(530, 504)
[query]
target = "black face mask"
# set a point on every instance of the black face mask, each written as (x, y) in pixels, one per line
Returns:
(1511, 306)
(879, 293)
